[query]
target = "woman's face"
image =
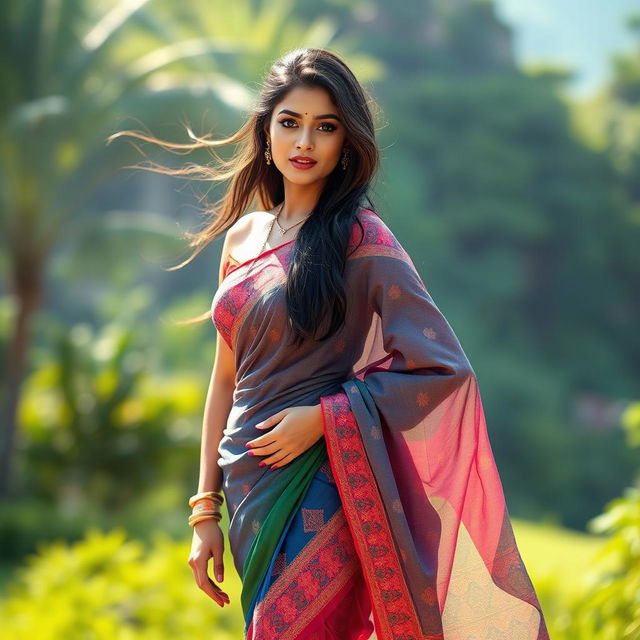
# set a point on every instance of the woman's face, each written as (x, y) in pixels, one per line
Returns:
(297, 130)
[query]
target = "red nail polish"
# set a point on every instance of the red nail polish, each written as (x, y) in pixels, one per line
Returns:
(250, 453)
(274, 466)
(262, 464)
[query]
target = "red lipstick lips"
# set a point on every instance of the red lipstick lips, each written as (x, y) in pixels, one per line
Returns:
(302, 162)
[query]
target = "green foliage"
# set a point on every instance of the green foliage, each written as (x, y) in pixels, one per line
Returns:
(610, 609)
(104, 436)
(521, 235)
(526, 237)
(108, 587)
(556, 560)
(98, 423)
(26, 522)
(108, 584)
(588, 585)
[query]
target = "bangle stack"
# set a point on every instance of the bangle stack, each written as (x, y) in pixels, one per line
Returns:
(206, 504)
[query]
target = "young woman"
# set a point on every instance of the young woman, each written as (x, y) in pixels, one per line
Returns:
(343, 424)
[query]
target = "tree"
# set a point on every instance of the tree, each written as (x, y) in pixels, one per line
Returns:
(68, 75)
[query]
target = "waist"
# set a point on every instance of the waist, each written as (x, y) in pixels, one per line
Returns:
(254, 404)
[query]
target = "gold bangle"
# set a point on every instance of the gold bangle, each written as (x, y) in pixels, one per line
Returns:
(214, 495)
(204, 504)
(206, 512)
(200, 518)
(206, 499)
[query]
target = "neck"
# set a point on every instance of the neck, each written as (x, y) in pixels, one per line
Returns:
(299, 201)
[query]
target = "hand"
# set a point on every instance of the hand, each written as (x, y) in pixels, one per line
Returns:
(208, 541)
(296, 430)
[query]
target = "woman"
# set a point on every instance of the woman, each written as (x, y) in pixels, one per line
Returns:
(343, 421)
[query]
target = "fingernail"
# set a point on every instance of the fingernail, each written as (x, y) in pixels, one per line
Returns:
(274, 466)
(247, 445)
(262, 464)
(251, 453)
(219, 576)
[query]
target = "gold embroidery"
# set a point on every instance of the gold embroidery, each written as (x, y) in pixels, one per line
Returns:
(394, 291)
(422, 399)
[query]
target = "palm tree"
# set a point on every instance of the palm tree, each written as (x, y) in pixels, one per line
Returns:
(68, 74)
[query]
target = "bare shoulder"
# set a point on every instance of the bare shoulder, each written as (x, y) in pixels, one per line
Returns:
(241, 235)
(242, 226)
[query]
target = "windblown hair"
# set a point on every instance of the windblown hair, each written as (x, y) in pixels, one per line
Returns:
(315, 291)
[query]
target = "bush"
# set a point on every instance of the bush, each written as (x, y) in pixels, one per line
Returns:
(610, 609)
(107, 587)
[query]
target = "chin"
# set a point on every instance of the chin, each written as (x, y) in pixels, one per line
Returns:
(303, 177)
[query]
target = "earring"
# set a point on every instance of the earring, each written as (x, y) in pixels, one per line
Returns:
(345, 159)
(267, 152)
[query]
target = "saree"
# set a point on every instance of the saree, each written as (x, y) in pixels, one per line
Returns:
(394, 524)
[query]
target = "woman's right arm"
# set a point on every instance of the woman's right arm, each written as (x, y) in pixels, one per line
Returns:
(208, 539)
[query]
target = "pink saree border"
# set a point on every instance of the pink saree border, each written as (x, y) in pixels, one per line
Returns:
(394, 614)
(320, 573)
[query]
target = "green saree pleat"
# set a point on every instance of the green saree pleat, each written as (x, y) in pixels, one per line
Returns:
(293, 481)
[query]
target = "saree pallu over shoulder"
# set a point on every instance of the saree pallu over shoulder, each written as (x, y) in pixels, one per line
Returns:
(411, 457)
(396, 518)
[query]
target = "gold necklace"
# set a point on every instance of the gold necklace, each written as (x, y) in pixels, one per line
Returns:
(264, 244)
(282, 230)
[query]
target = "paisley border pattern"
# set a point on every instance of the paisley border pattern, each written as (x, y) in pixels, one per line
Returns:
(308, 584)
(394, 614)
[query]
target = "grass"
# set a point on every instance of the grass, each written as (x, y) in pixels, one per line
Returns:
(553, 552)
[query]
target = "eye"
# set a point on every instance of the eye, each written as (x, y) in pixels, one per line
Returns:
(328, 124)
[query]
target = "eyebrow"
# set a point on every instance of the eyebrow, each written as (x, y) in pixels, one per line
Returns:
(322, 117)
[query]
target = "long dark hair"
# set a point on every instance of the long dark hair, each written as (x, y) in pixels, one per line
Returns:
(315, 292)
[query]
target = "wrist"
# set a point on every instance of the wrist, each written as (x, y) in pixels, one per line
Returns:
(205, 505)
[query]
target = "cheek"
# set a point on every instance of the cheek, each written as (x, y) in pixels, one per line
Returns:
(332, 148)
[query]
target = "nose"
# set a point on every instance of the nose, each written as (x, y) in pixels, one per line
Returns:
(304, 142)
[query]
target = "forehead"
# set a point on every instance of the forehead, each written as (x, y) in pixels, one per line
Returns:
(309, 100)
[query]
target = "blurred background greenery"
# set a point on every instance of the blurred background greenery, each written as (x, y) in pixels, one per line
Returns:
(518, 200)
